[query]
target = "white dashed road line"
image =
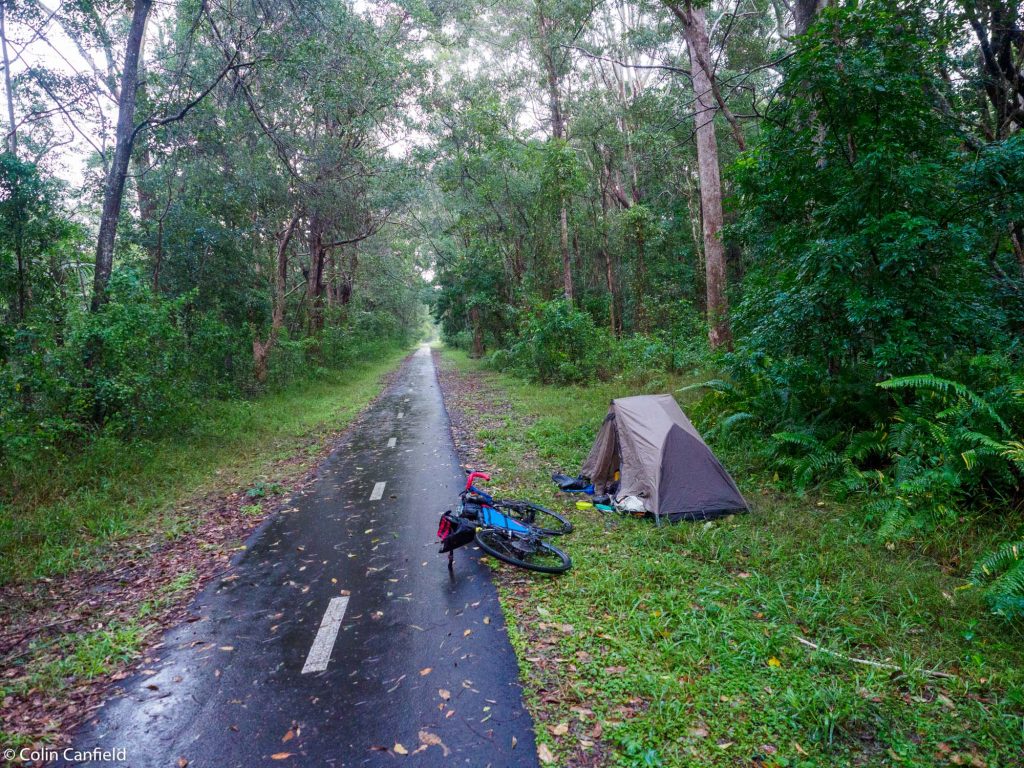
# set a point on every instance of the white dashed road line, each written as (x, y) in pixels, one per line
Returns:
(392, 441)
(320, 653)
(378, 491)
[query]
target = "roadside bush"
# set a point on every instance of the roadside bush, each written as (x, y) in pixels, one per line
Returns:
(558, 344)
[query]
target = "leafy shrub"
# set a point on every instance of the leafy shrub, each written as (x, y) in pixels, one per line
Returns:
(558, 344)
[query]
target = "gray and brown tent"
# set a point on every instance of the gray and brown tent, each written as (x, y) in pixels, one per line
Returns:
(662, 459)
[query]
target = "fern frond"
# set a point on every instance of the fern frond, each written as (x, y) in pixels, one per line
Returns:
(726, 424)
(992, 565)
(929, 383)
(718, 385)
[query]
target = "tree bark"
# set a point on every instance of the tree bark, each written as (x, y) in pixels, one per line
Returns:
(544, 25)
(315, 277)
(261, 349)
(708, 169)
(478, 331)
(12, 134)
(1018, 245)
(804, 14)
(113, 188)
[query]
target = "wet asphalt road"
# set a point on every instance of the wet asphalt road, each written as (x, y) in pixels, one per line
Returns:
(227, 688)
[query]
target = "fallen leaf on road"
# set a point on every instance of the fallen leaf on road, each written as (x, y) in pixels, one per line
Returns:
(281, 755)
(227, 647)
(487, 619)
(433, 740)
(544, 753)
(399, 749)
(467, 633)
(182, 762)
(514, 742)
(444, 694)
(426, 671)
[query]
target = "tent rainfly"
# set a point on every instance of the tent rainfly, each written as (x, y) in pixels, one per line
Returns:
(662, 459)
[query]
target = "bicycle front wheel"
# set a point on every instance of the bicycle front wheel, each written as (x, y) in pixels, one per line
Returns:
(541, 518)
(523, 552)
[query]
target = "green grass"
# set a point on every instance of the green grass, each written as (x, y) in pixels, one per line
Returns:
(60, 517)
(681, 641)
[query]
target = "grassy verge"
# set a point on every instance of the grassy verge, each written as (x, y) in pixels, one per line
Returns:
(679, 646)
(62, 516)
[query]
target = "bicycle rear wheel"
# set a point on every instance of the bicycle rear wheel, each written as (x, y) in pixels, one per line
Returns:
(522, 551)
(541, 518)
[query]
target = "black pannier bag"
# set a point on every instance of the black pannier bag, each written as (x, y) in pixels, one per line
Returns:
(454, 532)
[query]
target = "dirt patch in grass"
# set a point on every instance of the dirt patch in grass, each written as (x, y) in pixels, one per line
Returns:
(66, 639)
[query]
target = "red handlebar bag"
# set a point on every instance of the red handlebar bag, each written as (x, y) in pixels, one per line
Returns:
(454, 532)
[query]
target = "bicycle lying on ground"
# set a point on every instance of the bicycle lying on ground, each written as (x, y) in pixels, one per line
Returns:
(510, 530)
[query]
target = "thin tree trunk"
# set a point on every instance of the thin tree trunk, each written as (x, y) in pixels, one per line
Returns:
(12, 148)
(566, 260)
(478, 331)
(557, 132)
(261, 349)
(606, 251)
(696, 34)
(113, 188)
(12, 134)
(315, 277)
(1018, 245)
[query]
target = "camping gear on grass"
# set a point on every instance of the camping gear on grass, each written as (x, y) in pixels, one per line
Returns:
(578, 484)
(662, 460)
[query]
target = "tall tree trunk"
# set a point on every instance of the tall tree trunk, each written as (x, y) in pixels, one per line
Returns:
(12, 148)
(349, 278)
(113, 187)
(12, 134)
(315, 277)
(544, 25)
(478, 331)
(606, 252)
(696, 33)
(641, 286)
(261, 349)
(563, 218)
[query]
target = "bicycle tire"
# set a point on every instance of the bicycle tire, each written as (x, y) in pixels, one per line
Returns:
(502, 545)
(527, 512)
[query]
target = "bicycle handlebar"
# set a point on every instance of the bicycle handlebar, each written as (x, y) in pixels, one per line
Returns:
(473, 476)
